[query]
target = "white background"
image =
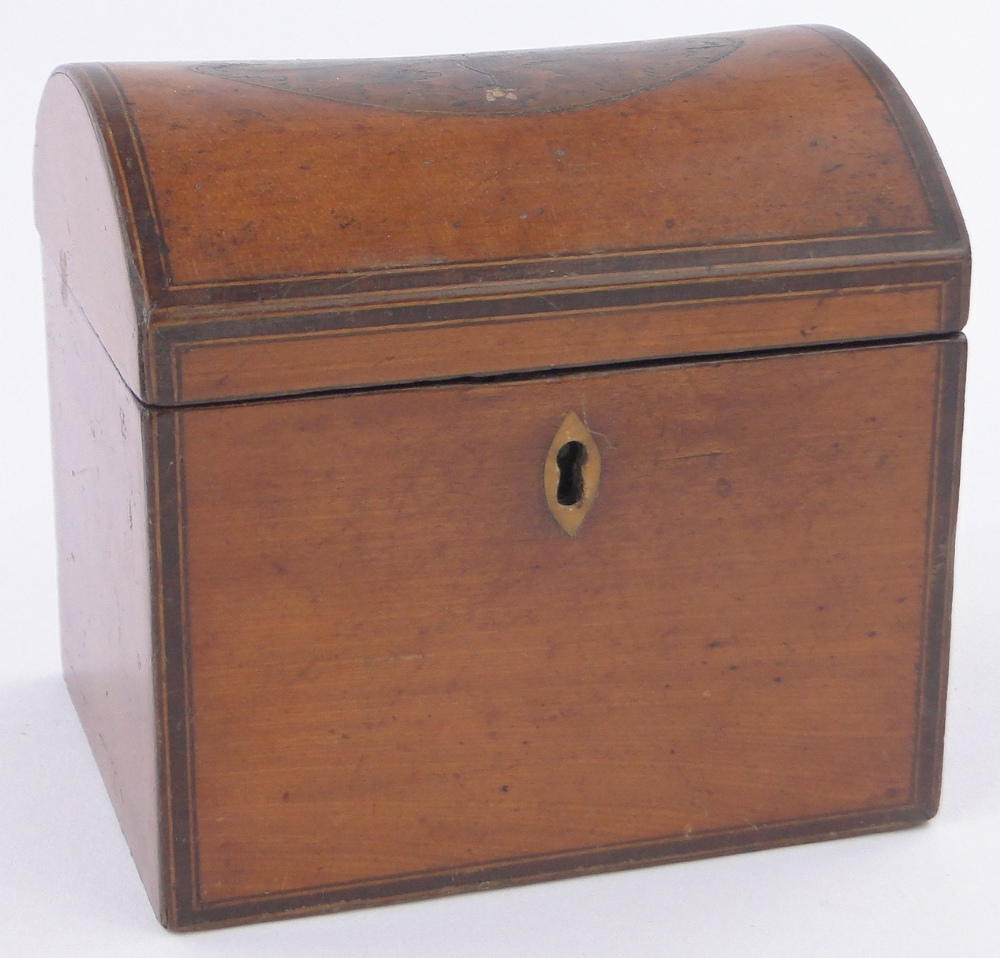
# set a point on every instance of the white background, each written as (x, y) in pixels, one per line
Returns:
(67, 884)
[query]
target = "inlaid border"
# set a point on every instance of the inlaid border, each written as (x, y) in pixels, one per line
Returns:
(430, 340)
(942, 510)
(184, 906)
(127, 160)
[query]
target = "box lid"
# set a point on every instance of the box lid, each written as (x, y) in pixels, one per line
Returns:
(233, 230)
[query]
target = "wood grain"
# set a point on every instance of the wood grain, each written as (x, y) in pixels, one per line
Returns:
(102, 511)
(402, 666)
(284, 184)
(770, 154)
(313, 328)
(81, 226)
(278, 363)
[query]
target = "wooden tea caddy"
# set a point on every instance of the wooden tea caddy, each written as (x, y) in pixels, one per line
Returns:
(474, 470)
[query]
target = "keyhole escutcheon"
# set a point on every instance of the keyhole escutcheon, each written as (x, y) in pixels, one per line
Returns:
(571, 474)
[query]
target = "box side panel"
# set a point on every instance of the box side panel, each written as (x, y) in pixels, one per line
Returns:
(402, 677)
(103, 564)
(84, 231)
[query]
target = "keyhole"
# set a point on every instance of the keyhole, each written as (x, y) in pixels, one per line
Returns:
(570, 459)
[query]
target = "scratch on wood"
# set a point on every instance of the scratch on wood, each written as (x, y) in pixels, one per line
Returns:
(604, 436)
(699, 455)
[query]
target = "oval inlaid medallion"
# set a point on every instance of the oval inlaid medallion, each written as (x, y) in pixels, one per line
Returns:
(488, 84)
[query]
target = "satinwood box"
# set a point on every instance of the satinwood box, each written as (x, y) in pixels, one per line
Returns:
(480, 469)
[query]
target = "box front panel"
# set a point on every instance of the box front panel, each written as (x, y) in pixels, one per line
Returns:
(403, 676)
